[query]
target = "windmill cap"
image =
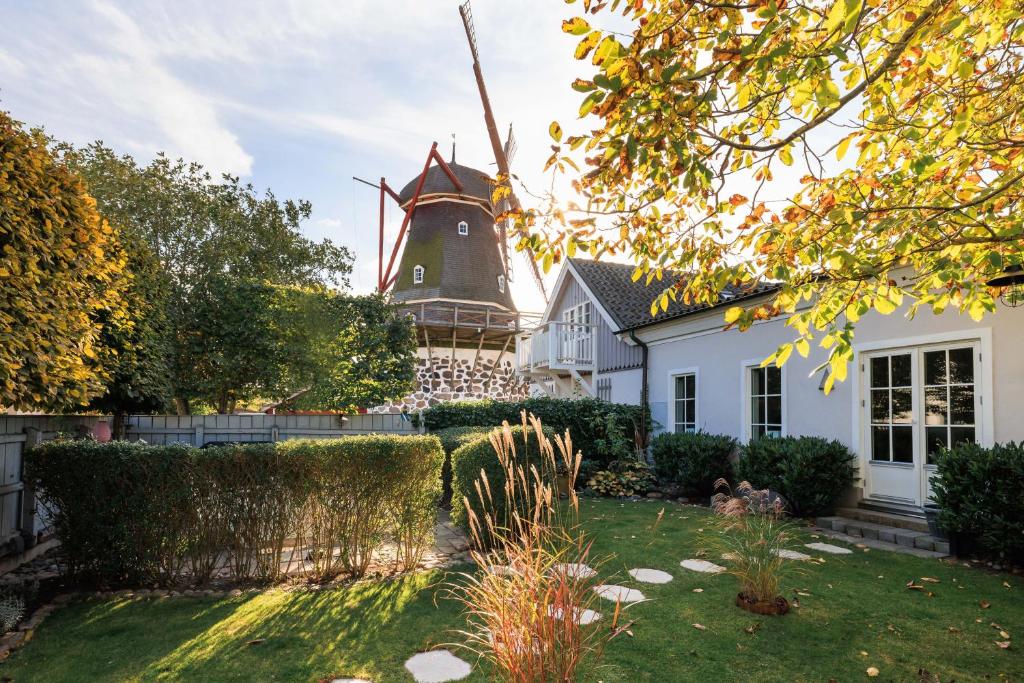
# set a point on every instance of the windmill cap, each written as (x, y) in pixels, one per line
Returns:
(476, 184)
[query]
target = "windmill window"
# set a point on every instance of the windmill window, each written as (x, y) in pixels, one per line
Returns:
(463, 228)
(501, 284)
(417, 275)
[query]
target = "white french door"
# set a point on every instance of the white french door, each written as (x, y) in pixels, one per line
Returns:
(916, 401)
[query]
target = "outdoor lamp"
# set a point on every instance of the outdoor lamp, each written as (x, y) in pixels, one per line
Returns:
(1011, 285)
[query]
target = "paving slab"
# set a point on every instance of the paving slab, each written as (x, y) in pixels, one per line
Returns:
(650, 575)
(702, 566)
(587, 616)
(576, 571)
(619, 593)
(881, 545)
(829, 548)
(437, 666)
(787, 554)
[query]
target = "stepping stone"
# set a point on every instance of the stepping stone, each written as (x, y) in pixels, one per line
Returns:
(650, 575)
(437, 666)
(576, 571)
(792, 554)
(587, 616)
(829, 548)
(619, 593)
(350, 680)
(702, 566)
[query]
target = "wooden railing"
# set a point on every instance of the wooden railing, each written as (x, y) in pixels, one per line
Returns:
(557, 346)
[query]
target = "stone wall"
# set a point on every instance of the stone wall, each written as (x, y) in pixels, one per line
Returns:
(444, 378)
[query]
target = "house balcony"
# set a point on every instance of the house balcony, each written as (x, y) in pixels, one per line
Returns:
(556, 348)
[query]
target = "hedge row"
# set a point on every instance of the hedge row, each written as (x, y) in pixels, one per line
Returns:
(979, 492)
(128, 513)
(604, 431)
(451, 439)
(811, 473)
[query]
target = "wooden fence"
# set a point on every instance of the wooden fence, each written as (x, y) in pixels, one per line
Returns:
(23, 523)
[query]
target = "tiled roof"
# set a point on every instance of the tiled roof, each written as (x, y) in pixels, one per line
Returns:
(629, 303)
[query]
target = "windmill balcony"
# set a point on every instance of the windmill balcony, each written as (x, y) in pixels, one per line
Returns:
(556, 346)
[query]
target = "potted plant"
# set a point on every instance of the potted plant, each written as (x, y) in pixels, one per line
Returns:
(753, 535)
(931, 513)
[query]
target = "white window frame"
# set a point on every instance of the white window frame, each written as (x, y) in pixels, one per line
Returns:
(501, 284)
(463, 228)
(671, 417)
(417, 274)
(745, 368)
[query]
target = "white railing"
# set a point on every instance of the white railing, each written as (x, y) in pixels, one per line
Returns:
(556, 346)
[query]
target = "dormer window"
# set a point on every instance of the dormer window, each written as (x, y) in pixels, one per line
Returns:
(463, 228)
(501, 284)
(417, 275)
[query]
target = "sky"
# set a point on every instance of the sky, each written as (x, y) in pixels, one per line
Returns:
(296, 96)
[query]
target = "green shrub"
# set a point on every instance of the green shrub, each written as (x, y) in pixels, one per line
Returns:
(979, 492)
(469, 460)
(693, 461)
(622, 478)
(137, 514)
(451, 439)
(811, 473)
(604, 431)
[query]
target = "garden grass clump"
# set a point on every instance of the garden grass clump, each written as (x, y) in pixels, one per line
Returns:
(133, 514)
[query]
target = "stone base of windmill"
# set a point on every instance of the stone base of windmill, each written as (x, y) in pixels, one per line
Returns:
(445, 377)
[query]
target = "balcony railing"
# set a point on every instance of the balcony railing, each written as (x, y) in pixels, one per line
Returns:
(556, 346)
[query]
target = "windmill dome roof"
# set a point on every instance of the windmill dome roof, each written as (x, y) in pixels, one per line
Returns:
(476, 184)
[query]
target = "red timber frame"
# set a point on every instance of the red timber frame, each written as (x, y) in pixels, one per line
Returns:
(385, 276)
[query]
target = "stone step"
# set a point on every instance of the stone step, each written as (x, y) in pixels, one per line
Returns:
(896, 537)
(892, 519)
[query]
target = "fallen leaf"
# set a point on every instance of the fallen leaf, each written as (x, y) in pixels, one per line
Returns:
(698, 590)
(1005, 644)
(256, 641)
(929, 579)
(752, 629)
(1004, 634)
(914, 586)
(985, 604)
(954, 629)
(872, 671)
(863, 653)
(1006, 584)
(700, 627)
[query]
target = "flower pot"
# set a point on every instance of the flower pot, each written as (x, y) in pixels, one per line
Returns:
(931, 513)
(776, 607)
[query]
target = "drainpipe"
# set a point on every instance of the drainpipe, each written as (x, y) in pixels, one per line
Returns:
(643, 385)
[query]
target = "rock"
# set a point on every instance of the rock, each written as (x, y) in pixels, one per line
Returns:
(437, 666)
(236, 593)
(654, 494)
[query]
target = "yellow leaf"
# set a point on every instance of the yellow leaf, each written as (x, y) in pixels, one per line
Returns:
(555, 131)
(803, 347)
(786, 155)
(577, 26)
(733, 314)
(844, 145)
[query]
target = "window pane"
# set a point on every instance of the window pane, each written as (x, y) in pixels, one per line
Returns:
(774, 379)
(757, 409)
(756, 431)
(961, 366)
(879, 443)
(774, 410)
(902, 405)
(691, 386)
(690, 411)
(880, 372)
(936, 407)
(756, 381)
(935, 440)
(681, 388)
(680, 411)
(879, 405)
(901, 370)
(773, 430)
(959, 435)
(903, 444)
(962, 408)
(935, 367)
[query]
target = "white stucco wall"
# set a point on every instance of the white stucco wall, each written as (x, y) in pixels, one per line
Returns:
(625, 385)
(698, 343)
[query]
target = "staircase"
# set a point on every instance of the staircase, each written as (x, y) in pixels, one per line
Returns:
(883, 530)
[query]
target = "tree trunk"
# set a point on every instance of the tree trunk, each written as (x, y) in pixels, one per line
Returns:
(117, 429)
(182, 407)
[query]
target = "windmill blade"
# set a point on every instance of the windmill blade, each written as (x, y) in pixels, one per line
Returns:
(510, 146)
(501, 156)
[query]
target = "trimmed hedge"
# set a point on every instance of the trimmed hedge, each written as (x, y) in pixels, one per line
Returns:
(129, 513)
(811, 473)
(979, 492)
(469, 460)
(604, 431)
(451, 439)
(693, 461)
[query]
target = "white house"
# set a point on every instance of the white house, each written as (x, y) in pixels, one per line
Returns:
(914, 385)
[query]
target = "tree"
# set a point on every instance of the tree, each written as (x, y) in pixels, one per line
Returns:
(212, 239)
(62, 274)
(894, 127)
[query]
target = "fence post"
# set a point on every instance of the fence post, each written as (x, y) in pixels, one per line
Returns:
(199, 437)
(275, 433)
(33, 437)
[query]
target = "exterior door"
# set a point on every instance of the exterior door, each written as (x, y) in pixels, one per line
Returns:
(916, 402)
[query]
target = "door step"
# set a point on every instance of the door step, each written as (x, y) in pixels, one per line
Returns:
(884, 537)
(910, 518)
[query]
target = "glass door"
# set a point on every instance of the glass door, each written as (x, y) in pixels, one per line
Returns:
(952, 402)
(891, 437)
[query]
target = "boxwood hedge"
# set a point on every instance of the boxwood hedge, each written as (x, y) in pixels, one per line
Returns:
(693, 461)
(811, 473)
(129, 513)
(451, 439)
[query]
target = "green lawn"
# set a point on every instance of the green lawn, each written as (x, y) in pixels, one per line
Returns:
(855, 612)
